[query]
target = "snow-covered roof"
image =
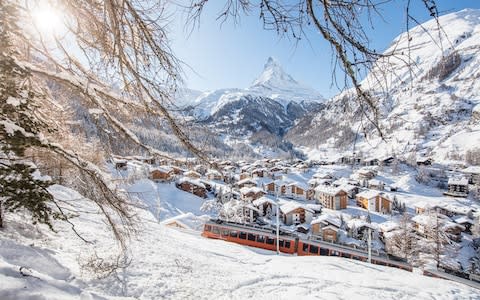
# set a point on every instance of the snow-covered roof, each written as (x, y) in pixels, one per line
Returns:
(246, 180)
(375, 182)
(368, 194)
(326, 218)
(472, 170)
(301, 185)
(253, 189)
(188, 220)
(213, 172)
(330, 190)
(291, 206)
(424, 219)
(263, 200)
(191, 181)
(388, 226)
(458, 181)
(463, 220)
(191, 172)
(163, 169)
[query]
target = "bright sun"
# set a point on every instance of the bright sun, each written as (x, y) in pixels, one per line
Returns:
(47, 20)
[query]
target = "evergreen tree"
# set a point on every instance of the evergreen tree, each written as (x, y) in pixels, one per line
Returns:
(20, 185)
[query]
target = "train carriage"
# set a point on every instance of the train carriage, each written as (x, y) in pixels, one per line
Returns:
(260, 237)
(254, 237)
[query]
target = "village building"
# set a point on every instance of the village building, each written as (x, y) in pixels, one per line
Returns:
(473, 174)
(244, 175)
(161, 174)
(297, 190)
(421, 207)
(192, 186)
(331, 197)
(250, 194)
(293, 213)
(250, 213)
(214, 175)
(457, 187)
(192, 174)
(327, 227)
(259, 172)
(265, 206)
(374, 201)
(119, 163)
(247, 182)
(177, 171)
(424, 161)
(376, 184)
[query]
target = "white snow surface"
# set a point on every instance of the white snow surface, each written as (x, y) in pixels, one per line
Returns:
(172, 264)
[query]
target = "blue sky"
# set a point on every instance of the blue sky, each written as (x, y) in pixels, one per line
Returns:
(232, 55)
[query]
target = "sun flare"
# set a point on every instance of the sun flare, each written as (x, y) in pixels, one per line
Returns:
(47, 20)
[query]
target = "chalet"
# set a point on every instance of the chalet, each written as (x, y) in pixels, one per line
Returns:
(473, 174)
(250, 213)
(214, 175)
(225, 196)
(310, 194)
(297, 190)
(269, 187)
(161, 174)
(302, 167)
(465, 221)
(365, 174)
(250, 194)
(280, 187)
(327, 227)
(265, 206)
(457, 187)
(374, 201)
(192, 186)
(358, 227)
(259, 172)
(422, 207)
(146, 160)
(247, 182)
(192, 174)
(293, 213)
(376, 184)
(244, 175)
(330, 197)
(314, 182)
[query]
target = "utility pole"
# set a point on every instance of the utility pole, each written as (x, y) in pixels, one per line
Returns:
(369, 244)
(278, 227)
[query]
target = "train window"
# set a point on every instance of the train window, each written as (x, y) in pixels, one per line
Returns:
(208, 228)
(313, 249)
(305, 247)
(225, 232)
(233, 233)
(323, 251)
(215, 230)
(243, 235)
(280, 243)
(287, 244)
(261, 239)
(270, 241)
(346, 255)
(251, 237)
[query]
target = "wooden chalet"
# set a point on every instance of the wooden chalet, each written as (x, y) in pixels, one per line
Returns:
(161, 174)
(250, 194)
(297, 190)
(376, 184)
(293, 213)
(192, 186)
(214, 175)
(473, 174)
(265, 206)
(424, 161)
(331, 197)
(247, 182)
(120, 163)
(374, 201)
(457, 187)
(326, 227)
(192, 174)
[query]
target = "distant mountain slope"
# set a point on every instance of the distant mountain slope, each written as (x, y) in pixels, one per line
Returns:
(426, 108)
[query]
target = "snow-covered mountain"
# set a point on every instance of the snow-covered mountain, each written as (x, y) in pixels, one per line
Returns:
(427, 107)
(273, 83)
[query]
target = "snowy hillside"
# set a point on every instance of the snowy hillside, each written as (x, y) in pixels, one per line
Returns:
(426, 109)
(36, 263)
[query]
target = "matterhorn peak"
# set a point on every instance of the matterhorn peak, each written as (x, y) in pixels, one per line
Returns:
(273, 75)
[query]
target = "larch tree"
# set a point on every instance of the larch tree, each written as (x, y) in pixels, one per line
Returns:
(99, 45)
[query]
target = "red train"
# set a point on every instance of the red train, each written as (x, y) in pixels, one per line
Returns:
(259, 237)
